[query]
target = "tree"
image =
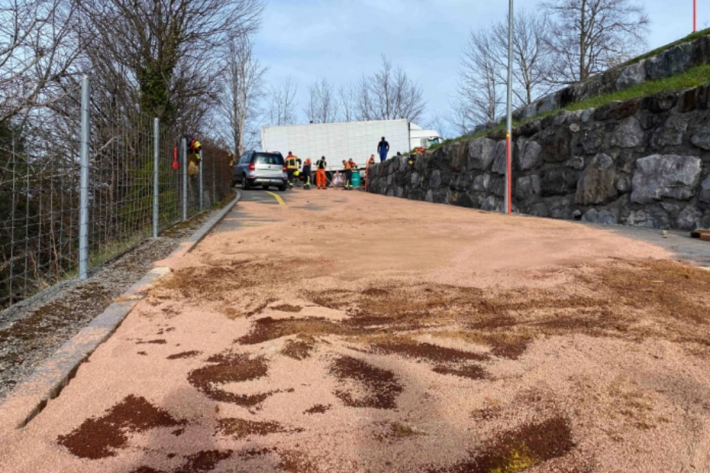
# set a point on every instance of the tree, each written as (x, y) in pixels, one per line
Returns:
(389, 94)
(532, 58)
(484, 68)
(282, 102)
(164, 56)
(587, 36)
(479, 89)
(347, 97)
(37, 51)
(243, 91)
(323, 105)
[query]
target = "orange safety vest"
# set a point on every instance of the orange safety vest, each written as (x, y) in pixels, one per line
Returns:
(307, 162)
(291, 162)
(347, 166)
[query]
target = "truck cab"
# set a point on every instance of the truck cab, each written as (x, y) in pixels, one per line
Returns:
(421, 138)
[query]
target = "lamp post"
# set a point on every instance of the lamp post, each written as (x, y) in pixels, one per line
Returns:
(508, 204)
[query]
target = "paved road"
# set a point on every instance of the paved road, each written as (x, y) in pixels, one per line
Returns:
(334, 331)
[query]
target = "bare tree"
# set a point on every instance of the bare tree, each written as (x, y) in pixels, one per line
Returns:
(37, 51)
(588, 36)
(532, 58)
(282, 102)
(323, 105)
(390, 94)
(165, 56)
(479, 90)
(243, 91)
(439, 124)
(348, 103)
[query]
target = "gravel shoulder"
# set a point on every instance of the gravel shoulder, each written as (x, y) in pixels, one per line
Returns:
(32, 330)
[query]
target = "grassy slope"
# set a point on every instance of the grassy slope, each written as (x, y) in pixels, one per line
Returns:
(693, 78)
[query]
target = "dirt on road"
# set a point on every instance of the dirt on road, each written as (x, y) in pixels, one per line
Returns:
(346, 332)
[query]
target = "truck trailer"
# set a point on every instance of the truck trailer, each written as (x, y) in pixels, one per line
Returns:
(342, 141)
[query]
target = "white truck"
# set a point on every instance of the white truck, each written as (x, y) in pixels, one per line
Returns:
(342, 141)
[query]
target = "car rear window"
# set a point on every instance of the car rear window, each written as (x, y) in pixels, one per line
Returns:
(269, 159)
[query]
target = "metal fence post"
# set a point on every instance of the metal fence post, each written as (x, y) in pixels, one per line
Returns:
(202, 194)
(183, 151)
(84, 181)
(156, 182)
(214, 187)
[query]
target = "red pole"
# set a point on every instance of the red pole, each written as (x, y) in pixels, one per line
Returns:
(509, 174)
(695, 16)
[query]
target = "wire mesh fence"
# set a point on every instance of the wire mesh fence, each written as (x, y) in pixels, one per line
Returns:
(133, 163)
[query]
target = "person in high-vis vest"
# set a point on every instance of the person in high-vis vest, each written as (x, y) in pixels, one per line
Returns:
(292, 165)
(307, 173)
(348, 175)
(321, 164)
(193, 160)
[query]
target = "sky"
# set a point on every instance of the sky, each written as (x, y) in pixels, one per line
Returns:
(341, 40)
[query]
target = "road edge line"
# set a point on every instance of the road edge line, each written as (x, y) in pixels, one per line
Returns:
(279, 199)
(47, 381)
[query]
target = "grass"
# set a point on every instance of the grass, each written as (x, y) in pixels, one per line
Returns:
(695, 77)
(657, 51)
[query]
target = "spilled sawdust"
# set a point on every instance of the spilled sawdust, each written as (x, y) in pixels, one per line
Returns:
(365, 385)
(101, 437)
(299, 349)
(240, 428)
(519, 449)
(230, 368)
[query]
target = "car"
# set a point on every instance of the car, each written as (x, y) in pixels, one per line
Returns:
(257, 168)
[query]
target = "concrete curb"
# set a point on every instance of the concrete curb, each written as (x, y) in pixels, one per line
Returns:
(31, 396)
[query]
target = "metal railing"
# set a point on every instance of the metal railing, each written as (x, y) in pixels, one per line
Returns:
(81, 183)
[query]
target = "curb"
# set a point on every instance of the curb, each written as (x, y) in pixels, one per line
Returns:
(32, 395)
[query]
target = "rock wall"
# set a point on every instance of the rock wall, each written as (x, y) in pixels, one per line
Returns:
(643, 162)
(671, 62)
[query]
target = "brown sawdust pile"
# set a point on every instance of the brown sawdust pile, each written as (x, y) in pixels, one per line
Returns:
(380, 387)
(185, 354)
(299, 349)
(318, 409)
(100, 437)
(230, 368)
(468, 371)
(288, 308)
(240, 428)
(519, 449)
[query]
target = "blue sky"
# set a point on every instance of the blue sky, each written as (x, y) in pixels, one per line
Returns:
(342, 39)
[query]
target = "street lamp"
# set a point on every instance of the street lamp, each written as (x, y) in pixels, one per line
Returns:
(509, 129)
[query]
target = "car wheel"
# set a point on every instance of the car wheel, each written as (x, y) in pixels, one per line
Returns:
(283, 188)
(245, 183)
(266, 188)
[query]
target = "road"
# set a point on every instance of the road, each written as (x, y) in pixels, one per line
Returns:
(333, 331)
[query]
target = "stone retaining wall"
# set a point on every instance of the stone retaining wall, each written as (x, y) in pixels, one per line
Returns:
(643, 162)
(671, 62)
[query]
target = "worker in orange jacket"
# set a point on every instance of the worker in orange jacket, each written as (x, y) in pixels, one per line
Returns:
(321, 164)
(348, 175)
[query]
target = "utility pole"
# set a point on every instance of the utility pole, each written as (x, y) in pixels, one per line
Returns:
(509, 130)
(695, 16)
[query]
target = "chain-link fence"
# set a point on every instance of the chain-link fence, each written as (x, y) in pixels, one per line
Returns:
(135, 185)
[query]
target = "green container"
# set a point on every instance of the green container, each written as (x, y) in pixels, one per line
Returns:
(356, 179)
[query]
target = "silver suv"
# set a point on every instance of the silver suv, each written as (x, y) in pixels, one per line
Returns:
(255, 168)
